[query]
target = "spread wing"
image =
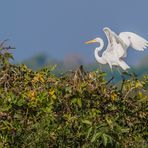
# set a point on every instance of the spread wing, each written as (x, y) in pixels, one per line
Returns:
(118, 44)
(115, 44)
(133, 40)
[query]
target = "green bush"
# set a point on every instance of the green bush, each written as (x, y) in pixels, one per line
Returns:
(38, 109)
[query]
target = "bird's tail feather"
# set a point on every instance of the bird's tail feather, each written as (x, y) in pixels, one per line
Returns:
(123, 65)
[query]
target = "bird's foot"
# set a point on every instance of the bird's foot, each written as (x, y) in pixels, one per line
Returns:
(131, 75)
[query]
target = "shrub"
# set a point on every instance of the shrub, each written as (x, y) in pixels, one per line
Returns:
(38, 109)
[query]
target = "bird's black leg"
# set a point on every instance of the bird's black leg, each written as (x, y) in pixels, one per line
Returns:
(123, 79)
(111, 78)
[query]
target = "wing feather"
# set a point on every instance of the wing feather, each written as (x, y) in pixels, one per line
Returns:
(135, 41)
(115, 44)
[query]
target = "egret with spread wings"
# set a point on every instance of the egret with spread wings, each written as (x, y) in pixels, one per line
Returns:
(117, 47)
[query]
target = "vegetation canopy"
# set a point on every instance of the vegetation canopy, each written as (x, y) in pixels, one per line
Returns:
(39, 109)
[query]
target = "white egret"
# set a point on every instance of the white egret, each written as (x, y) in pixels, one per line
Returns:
(117, 47)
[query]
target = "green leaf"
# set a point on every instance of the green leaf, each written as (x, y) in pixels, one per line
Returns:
(109, 121)
(20, 102)
(104, 139)
(96, 136)
(89, 131)
(79, 102)
(87, 122)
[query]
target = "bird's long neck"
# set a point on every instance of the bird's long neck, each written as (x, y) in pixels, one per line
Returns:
(99, 58)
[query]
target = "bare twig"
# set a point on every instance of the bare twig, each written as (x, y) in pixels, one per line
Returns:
(79, 74)
(2, 44)
(9, 47)
(5, 47)
(128, 92)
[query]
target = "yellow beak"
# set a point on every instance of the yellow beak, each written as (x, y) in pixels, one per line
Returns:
(91, 41)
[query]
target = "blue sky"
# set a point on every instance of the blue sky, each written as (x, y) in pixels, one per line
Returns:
(60, 27)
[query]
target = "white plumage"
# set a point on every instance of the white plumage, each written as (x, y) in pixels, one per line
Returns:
(117, 47)
(133, 40)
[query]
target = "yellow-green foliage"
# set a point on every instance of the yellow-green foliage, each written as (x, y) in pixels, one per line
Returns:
(38, 109)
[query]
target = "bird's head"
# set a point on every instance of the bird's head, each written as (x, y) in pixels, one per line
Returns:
(96, 40)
